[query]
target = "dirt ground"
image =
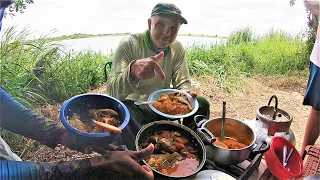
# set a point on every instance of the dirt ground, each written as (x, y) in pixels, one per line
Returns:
(242, 103)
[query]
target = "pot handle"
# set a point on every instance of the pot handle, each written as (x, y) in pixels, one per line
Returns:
(275, 110)
(206, 136)
(199, 120)
(258, 150)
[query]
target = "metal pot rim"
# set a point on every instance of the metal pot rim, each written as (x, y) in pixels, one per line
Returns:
(290, 117)
(251, 146)
(165, 122)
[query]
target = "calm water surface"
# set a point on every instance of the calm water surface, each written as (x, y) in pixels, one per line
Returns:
(110, 43)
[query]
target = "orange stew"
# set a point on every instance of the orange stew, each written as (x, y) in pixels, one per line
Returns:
(107, 116)
(229, 143)
(174, 154)
(173, 104)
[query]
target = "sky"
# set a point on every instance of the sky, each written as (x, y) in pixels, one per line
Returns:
(211, 17)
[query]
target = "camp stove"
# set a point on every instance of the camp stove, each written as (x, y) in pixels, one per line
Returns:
(242, 171)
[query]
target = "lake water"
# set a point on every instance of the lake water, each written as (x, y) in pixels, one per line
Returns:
(108, 44)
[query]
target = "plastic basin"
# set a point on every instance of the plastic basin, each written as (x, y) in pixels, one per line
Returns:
(274, 155)
(83, 103)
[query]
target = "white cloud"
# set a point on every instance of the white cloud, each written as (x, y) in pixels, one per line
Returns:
(205, 16)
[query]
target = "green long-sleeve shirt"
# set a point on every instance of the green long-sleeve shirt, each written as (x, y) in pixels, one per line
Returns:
(138, 46)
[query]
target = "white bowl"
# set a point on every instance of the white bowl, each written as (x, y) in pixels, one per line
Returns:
(155, 96)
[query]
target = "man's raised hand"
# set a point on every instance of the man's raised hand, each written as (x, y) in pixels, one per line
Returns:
(147, 68)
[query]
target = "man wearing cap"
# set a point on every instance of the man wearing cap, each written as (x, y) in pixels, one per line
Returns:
(149, 61)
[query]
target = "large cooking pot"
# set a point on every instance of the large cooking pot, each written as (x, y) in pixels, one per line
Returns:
(235, 129)
(150, 128)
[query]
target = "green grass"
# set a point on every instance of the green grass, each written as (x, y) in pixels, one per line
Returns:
(40, 72)
(16, 142)
(243, 55)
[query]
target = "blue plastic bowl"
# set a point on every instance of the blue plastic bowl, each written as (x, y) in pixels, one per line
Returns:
(82, 103)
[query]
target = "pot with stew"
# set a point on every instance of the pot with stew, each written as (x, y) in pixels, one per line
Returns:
(239, 140)
(179, 152)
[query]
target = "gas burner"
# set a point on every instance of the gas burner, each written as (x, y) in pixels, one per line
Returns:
(240, 171)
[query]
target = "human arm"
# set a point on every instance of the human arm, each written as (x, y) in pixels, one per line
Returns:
(21, 120)
(119, 84)
(43, 170)
(127, 71)
(114, 165)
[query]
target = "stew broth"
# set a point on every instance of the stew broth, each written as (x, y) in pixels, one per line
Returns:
(173, 155)
(229, 143)
(107, 116)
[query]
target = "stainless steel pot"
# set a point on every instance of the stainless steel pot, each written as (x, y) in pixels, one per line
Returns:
(235, 129)
(274, 112)
(151, 128)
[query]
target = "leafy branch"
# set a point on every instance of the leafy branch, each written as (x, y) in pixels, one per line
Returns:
(18, 6)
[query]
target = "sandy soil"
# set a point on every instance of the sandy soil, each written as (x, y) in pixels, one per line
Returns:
(242, 104)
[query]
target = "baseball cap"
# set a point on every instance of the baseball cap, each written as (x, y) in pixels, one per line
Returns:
(168, 9)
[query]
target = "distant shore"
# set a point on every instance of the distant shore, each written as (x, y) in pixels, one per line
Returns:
(81, 35)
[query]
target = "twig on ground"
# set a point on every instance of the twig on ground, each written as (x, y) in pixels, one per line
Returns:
(30, 141)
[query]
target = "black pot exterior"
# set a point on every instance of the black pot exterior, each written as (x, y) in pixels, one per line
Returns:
(152, 127)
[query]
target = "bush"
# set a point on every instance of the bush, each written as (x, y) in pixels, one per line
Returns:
(276, 53)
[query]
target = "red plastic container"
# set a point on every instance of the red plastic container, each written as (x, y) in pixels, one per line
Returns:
(274, 155)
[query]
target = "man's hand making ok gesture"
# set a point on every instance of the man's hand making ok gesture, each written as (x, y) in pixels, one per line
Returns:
(147, 68)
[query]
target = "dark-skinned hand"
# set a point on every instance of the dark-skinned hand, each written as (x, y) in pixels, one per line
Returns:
(123, 164)
(85, 144)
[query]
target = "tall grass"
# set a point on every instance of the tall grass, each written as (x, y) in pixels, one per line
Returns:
(243, 54)
(244, 35)
(40, 72)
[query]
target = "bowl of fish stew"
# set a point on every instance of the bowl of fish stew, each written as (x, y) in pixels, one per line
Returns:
(76, 114)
